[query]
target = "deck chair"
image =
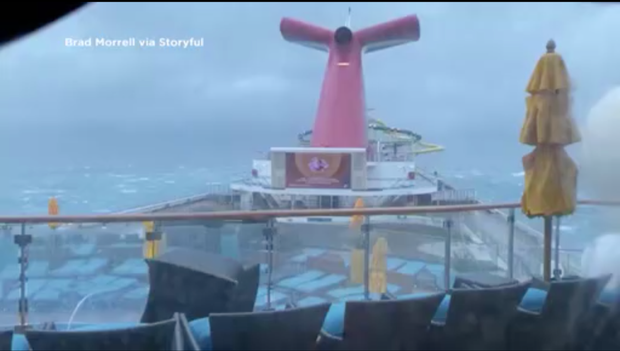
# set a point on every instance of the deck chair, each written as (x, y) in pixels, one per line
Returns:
(197, 284)
(293, 329)
(156, 336)
(555, 325)
(6, 339)
(244, 294)
(388, 324)
(477, 319)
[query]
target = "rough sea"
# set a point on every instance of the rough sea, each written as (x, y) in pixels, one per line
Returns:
(98, 189)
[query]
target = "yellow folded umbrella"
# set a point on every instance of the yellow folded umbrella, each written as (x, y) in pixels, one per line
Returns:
(378, 267)
(550, 174)
(356, 264)
(356, 267)
(53, 210)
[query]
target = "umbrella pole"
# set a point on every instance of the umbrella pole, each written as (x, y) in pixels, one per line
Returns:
(547, 248)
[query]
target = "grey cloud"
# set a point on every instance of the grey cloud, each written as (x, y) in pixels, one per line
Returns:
(461, 84)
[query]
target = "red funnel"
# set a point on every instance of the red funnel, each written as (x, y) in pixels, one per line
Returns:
(341, 116)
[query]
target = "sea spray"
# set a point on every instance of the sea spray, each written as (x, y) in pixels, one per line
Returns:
(601, 257)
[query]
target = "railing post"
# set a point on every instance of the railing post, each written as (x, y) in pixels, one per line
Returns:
(269, 233)
(511, 243)
(22, 240)
(448, 224)
(366, 243)
(548, 232)
(557, 271)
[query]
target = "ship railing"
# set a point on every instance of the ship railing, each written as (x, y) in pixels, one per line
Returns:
(390, 182)
(213, 189)
(60, 263)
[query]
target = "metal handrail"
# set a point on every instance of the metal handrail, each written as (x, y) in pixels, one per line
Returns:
(23, 239)
(270, 214)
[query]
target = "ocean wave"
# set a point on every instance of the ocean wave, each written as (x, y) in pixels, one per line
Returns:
(117, 175)
(138, 180)
(518, 174)
(129, 191)
(42, 191)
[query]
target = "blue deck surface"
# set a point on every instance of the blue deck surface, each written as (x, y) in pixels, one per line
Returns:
(34, 285)
(80, 267)
(307, 253)
(140, 293)
(134, 266)
(82, 249)
(342, 293)
(298, 280)
(50, 290)
(53, 290)
(310, 301)
(103, 284)
(411, 268)
(394, 263)
(314, 252)
(321, 283)
(36, 269)
(276, 296)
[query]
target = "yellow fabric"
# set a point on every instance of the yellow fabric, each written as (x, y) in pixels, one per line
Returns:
(152, 249)
(378, 267)
(550, 174)
(356, 274)
(550, 182)
(548, 120)
(148, 226)
(356, 266)
(550, 75)
(53, 210)
(356, 221)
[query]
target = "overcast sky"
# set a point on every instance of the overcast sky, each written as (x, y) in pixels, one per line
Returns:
(247, 89)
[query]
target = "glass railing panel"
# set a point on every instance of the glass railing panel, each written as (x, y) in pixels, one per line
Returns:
(85, 273)
(246, 242)
(94, 273)
(572, 234)
(507, 240)
(416, 253)
(472, 251)
(318, 259)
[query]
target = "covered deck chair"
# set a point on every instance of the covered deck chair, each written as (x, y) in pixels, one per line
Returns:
(6, 339)
(156, 336)
(292, 329)
(477, 319)
(389, 324)
(197, 284)
(553, 325)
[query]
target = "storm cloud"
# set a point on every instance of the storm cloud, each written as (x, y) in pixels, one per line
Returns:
(247, 89)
